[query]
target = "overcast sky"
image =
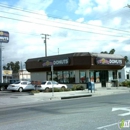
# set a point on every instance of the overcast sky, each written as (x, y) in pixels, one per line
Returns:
(73, 26)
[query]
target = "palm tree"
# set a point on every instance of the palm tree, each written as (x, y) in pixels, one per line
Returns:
(112, 51)
(126, 59)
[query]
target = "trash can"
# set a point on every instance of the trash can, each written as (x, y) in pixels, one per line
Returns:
(114, 83)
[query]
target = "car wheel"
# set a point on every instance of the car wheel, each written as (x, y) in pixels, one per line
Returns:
(2, 88)
(20, 89)
(63, 87)
(46, 89)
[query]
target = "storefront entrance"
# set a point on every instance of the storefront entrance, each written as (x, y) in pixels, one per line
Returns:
(103, 77)
(100, 76)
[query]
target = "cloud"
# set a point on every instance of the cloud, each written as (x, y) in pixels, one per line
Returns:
(98, 7)
(95, 22)
(71, 5)
(34, 4)
(94, 26)
(117, 21)
(127, 41)
(84, 7)
(80, 20)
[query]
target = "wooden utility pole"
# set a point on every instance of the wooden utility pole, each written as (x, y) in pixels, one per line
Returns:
(45, 41)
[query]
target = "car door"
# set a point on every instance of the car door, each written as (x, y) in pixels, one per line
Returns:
(30, 86)
(49, 84)
(24, 85)
(56, 85)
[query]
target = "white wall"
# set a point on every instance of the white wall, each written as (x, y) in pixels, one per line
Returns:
(24, 74)
(124, 71)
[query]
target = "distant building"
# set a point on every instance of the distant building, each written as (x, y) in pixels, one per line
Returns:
(7, 75)
(24, 75)
(21, 75)
(124, 73)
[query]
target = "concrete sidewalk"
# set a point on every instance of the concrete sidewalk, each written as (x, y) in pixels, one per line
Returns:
(45, 97)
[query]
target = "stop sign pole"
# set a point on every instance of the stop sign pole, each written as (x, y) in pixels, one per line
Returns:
(52, 80)
(1, 65)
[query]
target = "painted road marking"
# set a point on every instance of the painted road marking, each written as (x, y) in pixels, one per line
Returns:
(106, 126)
(123, 109)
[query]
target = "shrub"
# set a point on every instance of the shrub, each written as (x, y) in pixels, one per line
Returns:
(59, 89)
(78, 87)
(34, 91)
(126, 83)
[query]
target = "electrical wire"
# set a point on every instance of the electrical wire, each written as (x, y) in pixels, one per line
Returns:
(102, 27)
(62, 27)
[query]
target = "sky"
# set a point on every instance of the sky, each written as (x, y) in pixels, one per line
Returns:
(71, 26)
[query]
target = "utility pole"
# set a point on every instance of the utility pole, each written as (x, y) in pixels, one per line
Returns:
(45, 41)
(58, 51)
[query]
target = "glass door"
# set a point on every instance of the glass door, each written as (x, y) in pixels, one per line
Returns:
(103, 77)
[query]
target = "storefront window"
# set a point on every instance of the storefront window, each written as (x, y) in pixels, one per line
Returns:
(60, 76)
(97, 77)
(114, 75)
(72, 77)
(66, 76)
(119, 75)
(91, 75)
(82, 76)
(49, 76)
(110, 76)
(55, 76)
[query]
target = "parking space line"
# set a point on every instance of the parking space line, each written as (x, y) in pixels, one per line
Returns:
(106, 126)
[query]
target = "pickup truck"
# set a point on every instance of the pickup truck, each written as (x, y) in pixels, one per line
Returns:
(46, 85)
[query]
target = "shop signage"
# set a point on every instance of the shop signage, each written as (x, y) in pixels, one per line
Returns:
(7, 72)
(47, 63)
(108, 61)
(57, 62)
(61, 62)
(4, 36)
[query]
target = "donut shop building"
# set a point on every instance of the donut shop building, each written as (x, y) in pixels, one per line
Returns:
(77, 68)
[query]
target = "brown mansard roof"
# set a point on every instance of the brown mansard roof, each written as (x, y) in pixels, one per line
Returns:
(61, 56)
(79, 60)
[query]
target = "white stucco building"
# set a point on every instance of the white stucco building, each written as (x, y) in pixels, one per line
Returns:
(24, 75)
(124, 73)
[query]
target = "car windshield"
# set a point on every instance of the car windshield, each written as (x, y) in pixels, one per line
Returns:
(17, 82)
(54, 82)
(43, 82)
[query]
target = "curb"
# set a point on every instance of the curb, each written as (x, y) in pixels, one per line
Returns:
(77, 96)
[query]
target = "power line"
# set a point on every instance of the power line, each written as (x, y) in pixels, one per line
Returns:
(102, 27)
(62, 27)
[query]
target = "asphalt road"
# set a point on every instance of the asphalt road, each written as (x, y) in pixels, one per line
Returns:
(92, 113)
(10, 93)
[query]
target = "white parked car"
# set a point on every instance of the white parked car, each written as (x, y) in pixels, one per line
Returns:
(46, 85)
(20, 86)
